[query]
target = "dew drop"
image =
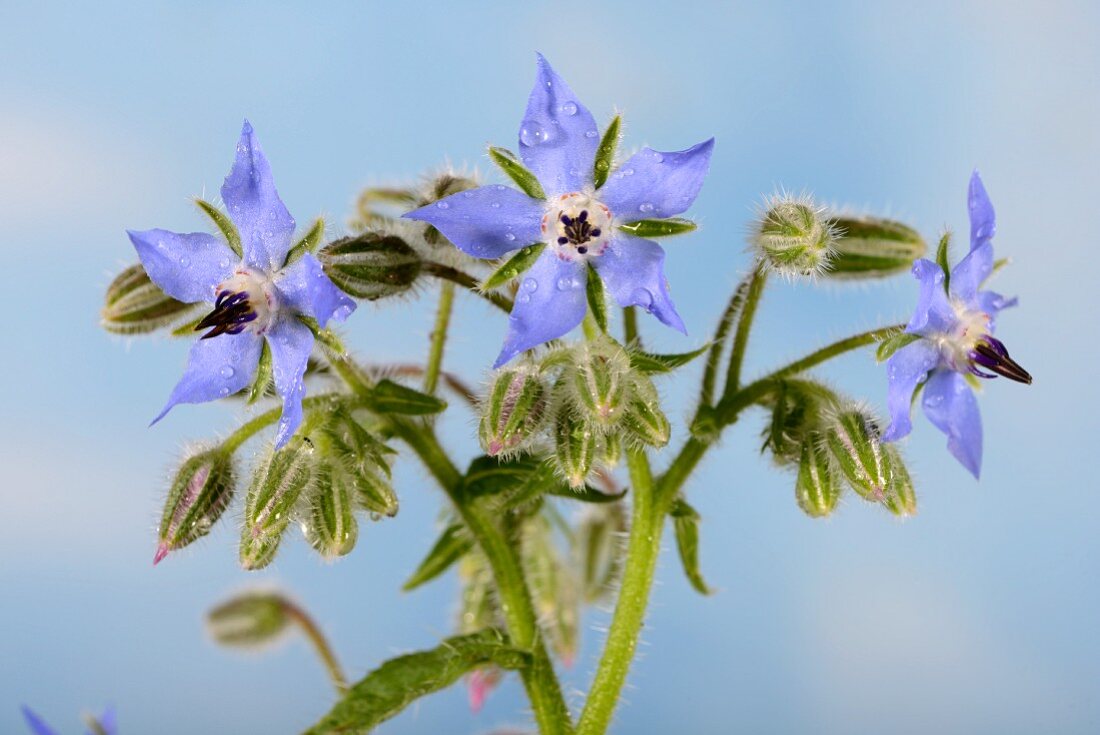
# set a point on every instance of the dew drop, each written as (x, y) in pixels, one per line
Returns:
(509, 236)
(443, 205)
(523, 298)
(531, 133)
(185, 261)
(227, 371)
(658, 157)
(530, 284)
(567, 283)
(628, 172)
(495, 205)
(224, 392)
(645, 207)
(569, 108)
(468, 194)
(591, 134)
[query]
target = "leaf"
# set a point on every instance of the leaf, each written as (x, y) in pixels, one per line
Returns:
(223, 223)
(390, 397)
(451, 546)
(586, 494)
(513, 267)
(942, 253)
(308, 243)
(685, 522)
(489, 476)
(649, 362)
(543, 480)
(597, 298)
(889, 345)
(605, 153)
(262, 381)
(659, 227)
(517, 172)
(401, 681)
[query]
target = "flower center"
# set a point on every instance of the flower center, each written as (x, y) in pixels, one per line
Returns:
(577, 226)
(971, 348)
(245, 301)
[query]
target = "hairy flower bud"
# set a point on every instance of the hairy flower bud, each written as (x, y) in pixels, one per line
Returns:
(853, 437)
(200, 493)
(361, 464)
(871, 247)
(514, 412)
(371, 265)
(248, 620)
(554, 589)
(817, 487)
(600, 380)
(276, 488)
(793, 237)
(575, 447)
(134, 304)
(330, 525)
(598, 548)
(643, 419)
(901, 497)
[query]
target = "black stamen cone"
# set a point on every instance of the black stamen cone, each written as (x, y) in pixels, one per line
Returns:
(232, 311)
(991, 354)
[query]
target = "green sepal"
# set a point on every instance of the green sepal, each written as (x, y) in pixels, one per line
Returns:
(512, 268)
(514, 412)
(249, 619)
(892, 343)
(942, 257)
(224, 224)
(659, 227)
(200, 493)
(585, 494)
(134, 304)
(854, 442)
(331, 527)
(600, 376)
(685, 523)
(598, 544)
(605, 152)
(643, 418)
(371, 266)
(872, 247)
(276, 487)
(575, 445)
(555, 588)
(998, 264)
(309, 242)
(652, 363)
(390, 397)
(597, 298)
(262, 380)
(817, 486)
(187, 329)
(901, 496)
(401, 681)
(517, 172)
(489, 476)
(451, 546)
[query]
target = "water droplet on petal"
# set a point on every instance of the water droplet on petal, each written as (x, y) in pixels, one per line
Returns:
(643, 298)
(591, 134)
(569, 108)
(531, 133)
(185, 261)
(509, 236)
(228, 371)
(224, 392)
(467, 194)
(523, 298)
(495, 205)
(658, 157)
(567, 283)
(443, 205)
(530, 284)
(628, 172)
(645, 207)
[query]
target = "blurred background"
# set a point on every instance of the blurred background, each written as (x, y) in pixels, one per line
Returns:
(977, 616)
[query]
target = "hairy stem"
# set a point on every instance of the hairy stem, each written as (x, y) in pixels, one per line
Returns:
(630, 326)
(744, 325)
(320, 644)
(718, 344)
(468, 282)
(439, 336)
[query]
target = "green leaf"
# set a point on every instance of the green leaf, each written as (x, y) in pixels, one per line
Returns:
(401, 681)
(685, 522)
(451, 546)
(541, 480)
(517, 172)
(262, 381)
(490, 476)
(889, 345)
(586, 494)
(390, 397)
(223, 223)
(649, 362)
(597, 298)
(605, 153)
(514, 266)
(942, 253)
(308, 244)
(659, 227)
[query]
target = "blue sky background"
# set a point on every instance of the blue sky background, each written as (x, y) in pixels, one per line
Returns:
(977, 616)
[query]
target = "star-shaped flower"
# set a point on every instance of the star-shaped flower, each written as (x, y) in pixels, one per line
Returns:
(578, 220)
(256, 294)
(953, 327)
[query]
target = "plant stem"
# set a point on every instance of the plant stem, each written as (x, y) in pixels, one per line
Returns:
(744, 325)
(320, 644)
(630, 326)
(439, 336)
(468, 282)
(718, 344)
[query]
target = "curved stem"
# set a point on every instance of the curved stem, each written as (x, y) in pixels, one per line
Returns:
(320, 644)
(439, 336)
(718, 344)
(741, 338)
(468, 282)
(630, 327)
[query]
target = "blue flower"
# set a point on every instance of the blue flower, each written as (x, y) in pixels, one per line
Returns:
(106, 723)
(255, 296)
(557, 142)
(954, 324)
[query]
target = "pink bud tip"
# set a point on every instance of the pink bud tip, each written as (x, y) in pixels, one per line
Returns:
(495, 448)
(162, 551)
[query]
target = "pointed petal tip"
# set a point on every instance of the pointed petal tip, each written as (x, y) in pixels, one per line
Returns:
(162, 551)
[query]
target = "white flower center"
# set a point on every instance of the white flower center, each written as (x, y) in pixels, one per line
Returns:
(577, 226)
(956, 346)
(245, 300)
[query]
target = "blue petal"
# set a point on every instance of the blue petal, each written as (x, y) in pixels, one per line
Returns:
(983, 221)
(108, 721)
(558, 135)
(216, 368)
(291, 343)
(305, 289)
(186, 267)
(654, 184)
(969, 273)
(249, 194)
(992, 303)
(949, 403)
(486, 222)
(633, 269)
(37, 725)
(934, 312)
(905, 369)
(550, 302)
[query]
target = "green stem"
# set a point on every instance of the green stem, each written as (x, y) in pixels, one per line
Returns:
(718, 344)
(252, 427)
(744, 325)
(468, 282)
(630, 327)
(320, 644)
(643, 548)
(439, 336)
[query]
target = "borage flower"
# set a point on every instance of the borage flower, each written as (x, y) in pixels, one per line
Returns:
(579, 219)
(256, 293)
(953, 326)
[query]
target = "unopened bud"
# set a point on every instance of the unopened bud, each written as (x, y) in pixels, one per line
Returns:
(611, 450)
(793, 237)
(479, 684)
(135, 305)
(372, 265)
(853, 438)
(514, 411)
(248, 620)
(901, 496)
(644, 420)
(599, 548)
(554, 589)
(870, 247)
(575, 447)
(330, 525)
(200, 493)
(363, 467)
(600, 380)
(276, 488)
(817, 487)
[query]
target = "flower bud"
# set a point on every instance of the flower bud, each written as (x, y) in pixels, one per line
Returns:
(135, 305)
(611, 450)
(330, 525)
(600, 379)
(276, 488)
(817, 487)
(870, 247)
(200, 493)
(793, 237)
(514, 411)
(362, 466)
(598, 548)
(853, 437)
(371, 265)
(250, 619)
(554, 589)
(901, 497)
(644, 420)
(575, 447)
